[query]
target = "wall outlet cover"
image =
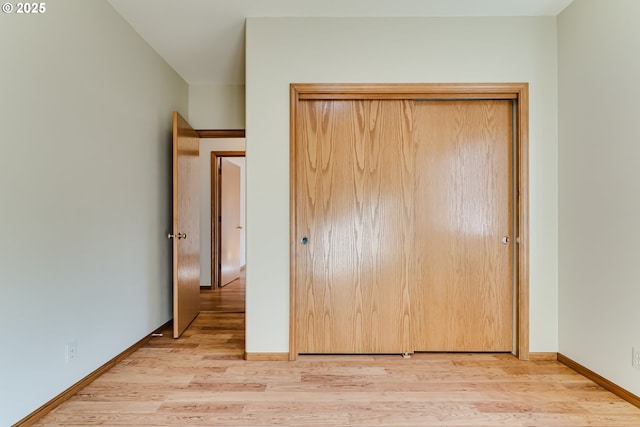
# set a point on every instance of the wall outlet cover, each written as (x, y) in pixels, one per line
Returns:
(72, 350)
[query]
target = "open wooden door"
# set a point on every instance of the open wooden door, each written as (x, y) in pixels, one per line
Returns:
(186, 225)
(229, 221)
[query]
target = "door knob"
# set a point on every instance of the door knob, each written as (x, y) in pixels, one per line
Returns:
(179, 236)
(505, 240)
(304, 240)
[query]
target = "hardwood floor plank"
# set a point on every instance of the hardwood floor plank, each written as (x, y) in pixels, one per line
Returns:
(230, 298)
(202, 408)
(91, 407)
(202, 380)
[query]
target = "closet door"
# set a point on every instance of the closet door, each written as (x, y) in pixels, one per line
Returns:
(462, 295)
(354, 223)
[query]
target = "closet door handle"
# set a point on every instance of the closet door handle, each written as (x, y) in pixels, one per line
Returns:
(505, 240)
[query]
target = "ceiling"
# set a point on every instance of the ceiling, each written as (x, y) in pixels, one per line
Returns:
(203, 40)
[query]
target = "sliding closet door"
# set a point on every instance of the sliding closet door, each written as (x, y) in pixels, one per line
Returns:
(404, 222)
(462, 297)
(354, 206)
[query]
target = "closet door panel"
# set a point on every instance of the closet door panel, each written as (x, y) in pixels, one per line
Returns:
(354, 206)
(462, 295)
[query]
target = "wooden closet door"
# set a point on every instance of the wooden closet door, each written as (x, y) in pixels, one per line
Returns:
(462, 297)
(354, 203)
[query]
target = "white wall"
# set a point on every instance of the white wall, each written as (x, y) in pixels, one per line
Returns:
(281, 51)
(599, 191)
(216, 106)
(85, 186)
(207, 145)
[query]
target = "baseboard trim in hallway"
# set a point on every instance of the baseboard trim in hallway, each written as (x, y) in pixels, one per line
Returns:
(600, 380)
(266, 357)
(36, 415)
(543, 357)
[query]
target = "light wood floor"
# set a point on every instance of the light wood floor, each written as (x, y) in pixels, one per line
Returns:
(229, 299)
(201, 380)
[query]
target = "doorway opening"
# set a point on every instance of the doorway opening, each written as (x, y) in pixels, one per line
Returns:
(222, 299)
(228, 258)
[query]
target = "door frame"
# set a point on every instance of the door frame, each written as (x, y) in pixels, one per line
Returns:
(216, 241)
(217, 133)
(518, 92)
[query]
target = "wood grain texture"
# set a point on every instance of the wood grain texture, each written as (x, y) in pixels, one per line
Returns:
(404, 204)
(230, 299)
(517, 92)
(408, 90)
(186, 220)
(462, 291)
(294, 138)
(543, 356)
(221, 133)
(522, 156)
(600, 380)
(266, 357)
(201, 380)
(354, 272)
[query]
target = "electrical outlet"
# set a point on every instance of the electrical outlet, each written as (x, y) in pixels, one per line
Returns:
(72, 350)
(635, 351)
